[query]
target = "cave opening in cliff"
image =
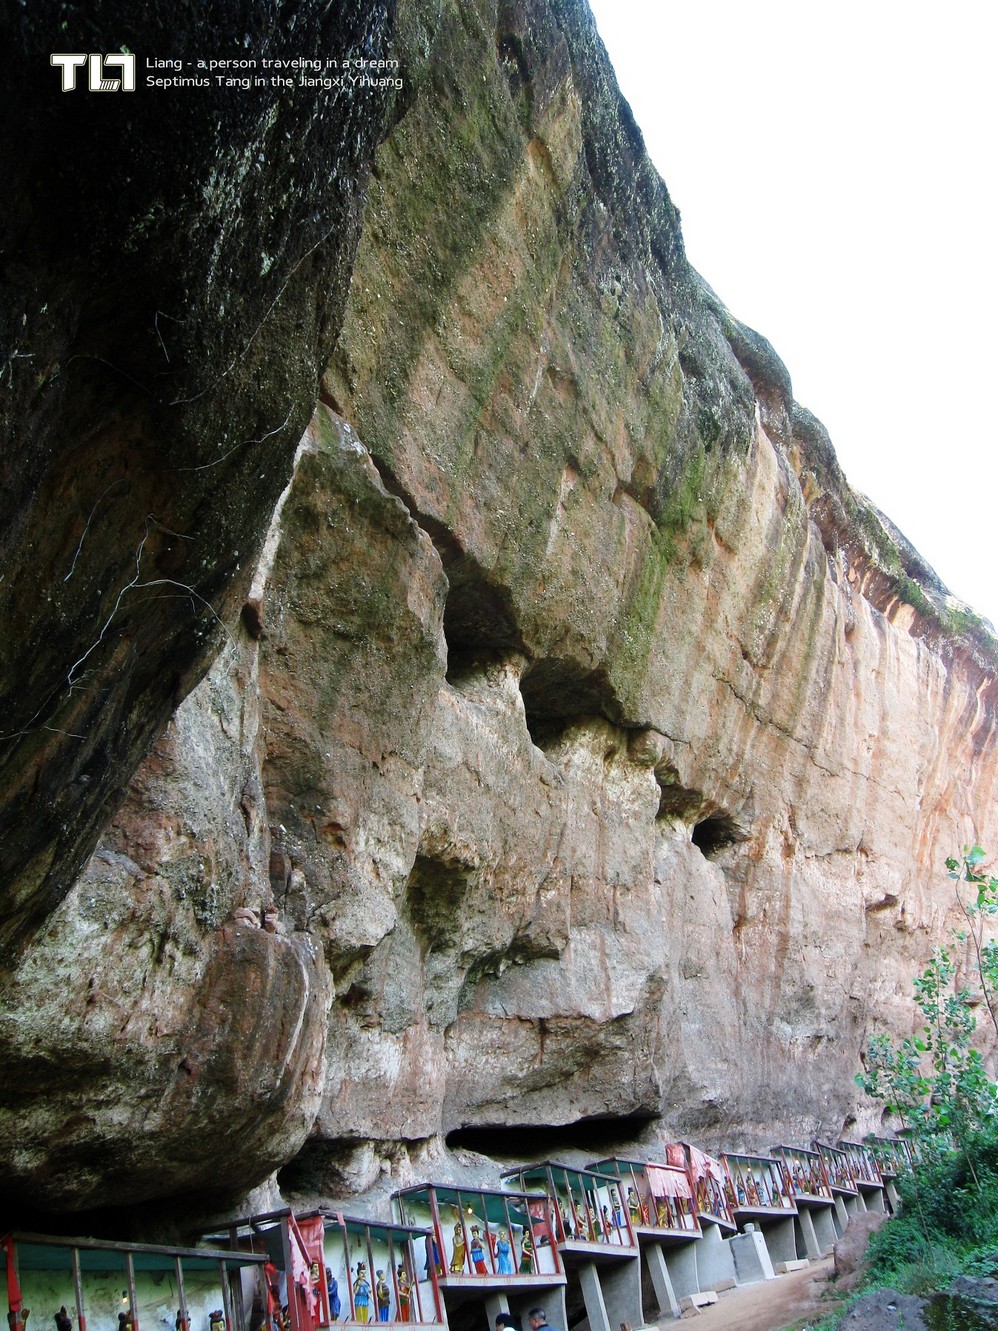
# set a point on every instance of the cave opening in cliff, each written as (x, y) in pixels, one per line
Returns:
(557, 693)
(479, 618)
(715, 833)
(599, 1136)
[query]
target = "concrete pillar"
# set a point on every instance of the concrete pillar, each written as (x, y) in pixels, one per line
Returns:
(841, 1214)
(553, 1303)
(892, 1195)
(824, 1228)
(752, 1261)
(780, 1242)
(859, 1203)
(874, 1199)
(592, 1293)
(811, 1245)
(621, 1284)
(660, 1279)
(715, 1260)
(681, 1259)
(494, 1305)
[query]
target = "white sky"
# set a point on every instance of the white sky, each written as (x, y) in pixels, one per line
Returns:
(834, 163)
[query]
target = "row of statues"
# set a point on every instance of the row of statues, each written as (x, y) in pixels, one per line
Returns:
(769, 1190)
(469, 1248)
(381, 1293)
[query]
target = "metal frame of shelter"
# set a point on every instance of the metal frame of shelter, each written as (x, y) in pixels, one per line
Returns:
(589, 1228)
(293, 1244)
(669, 1186)
(78, 1256)
(490, 1212)
(769, 1194)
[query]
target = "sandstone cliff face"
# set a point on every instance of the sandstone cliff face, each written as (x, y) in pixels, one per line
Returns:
(175, 265)
(586, 750)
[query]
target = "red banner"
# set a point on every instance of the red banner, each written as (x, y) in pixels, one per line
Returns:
(668, 1182)
(312, 1232)
(705, 1166)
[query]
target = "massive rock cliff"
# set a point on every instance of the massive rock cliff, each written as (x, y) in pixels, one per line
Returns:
(586, 752)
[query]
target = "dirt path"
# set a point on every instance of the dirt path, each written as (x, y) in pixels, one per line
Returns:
(772, 1304)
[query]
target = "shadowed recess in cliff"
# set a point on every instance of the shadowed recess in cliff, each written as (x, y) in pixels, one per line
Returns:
(436, 891)
(715, 833)
(321, 1167)
(712, 829)
(559, 692)
(479, 618)
(597, 1136)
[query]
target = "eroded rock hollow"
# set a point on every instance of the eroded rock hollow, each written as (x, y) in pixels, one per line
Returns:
(585, 753)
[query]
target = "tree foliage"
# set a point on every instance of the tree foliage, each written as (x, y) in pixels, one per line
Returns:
(936, 1082)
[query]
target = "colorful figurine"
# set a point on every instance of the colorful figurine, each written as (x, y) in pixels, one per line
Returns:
(504, 1254)
(63, 1321)
(457, 1257)
(333, 1294)
(403, 1286)
(382, 1295)
(433, 1260)
(362, 1293)
(477, 1251)
(526, 1254)
(633, 1206)
(216, 1320)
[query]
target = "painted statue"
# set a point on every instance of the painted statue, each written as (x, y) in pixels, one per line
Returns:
(504, 1254)
(526, 1254)
(477, 1251)
(403, 1287)
(382, 1295)
(216, 1320)
(63, 1321)
(362, 1293)
(333, 1295)
(457, 1257)
(433, 1261)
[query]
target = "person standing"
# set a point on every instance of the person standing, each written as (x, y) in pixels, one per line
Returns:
(538, 1320)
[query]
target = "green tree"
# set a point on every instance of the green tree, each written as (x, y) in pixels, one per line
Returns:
(936, 1082)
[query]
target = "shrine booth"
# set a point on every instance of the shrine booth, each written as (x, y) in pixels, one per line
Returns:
(496, 1248)
(815, 1225)
(761, 1198)
(714, 1257)
(846, 1194)
(891, 1155)
(598, 1246)
(866, 1173)
(93, 1285)
(661, 1209)
(343, 1269)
